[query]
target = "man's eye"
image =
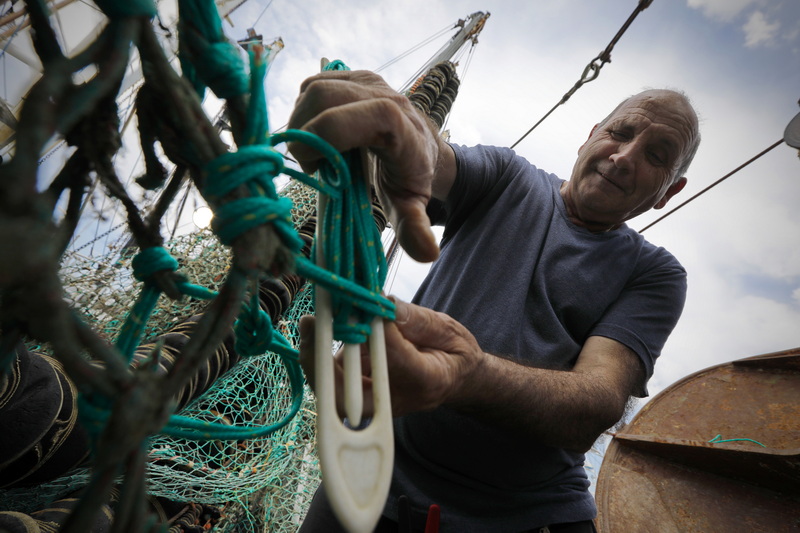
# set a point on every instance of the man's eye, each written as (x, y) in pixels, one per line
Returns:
(657, 158)
(618, 135)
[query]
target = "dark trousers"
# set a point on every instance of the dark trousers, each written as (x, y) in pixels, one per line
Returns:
(321, 519)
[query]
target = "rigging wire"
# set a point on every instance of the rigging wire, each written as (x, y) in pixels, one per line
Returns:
(723, 178)
(18, 27)
(467, 63)
(262, 13)
(592, 70)
(415, 48)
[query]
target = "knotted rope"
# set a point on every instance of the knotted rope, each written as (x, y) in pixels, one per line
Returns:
(356, 266)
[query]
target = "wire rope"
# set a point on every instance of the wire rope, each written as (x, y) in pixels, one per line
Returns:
(723, 178)
(592, 70)
(262, 13)
(414, 48)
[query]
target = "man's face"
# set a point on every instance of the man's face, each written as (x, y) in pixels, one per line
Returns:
(628, 164)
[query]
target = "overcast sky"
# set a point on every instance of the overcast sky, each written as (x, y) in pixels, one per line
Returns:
(739, 62)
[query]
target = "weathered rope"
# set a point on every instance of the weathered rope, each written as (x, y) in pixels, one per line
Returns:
(356, 266)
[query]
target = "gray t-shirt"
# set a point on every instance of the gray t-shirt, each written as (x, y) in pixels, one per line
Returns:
(532, 286)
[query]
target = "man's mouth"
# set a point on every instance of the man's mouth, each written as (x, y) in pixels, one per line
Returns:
(610, 180)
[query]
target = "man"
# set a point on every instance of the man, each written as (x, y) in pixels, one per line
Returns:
(543, 315)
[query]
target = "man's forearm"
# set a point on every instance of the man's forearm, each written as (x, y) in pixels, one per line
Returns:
(566, 409)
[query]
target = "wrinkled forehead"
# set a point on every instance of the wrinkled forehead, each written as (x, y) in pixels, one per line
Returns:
(664, 107)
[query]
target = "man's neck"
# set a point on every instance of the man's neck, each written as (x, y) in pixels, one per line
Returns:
(593, 226)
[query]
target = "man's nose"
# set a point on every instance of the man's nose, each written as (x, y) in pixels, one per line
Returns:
(625, 156)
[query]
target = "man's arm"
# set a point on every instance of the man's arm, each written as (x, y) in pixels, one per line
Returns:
(567, 409)
(433, 360)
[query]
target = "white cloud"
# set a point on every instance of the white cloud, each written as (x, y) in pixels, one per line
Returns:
(758, 30)
(742, 233)
(724, 10)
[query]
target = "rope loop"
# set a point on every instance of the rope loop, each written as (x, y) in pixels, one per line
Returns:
(257, 163)
(592, 70)
(152, 260)
(207, 58)
(253, 329)
(333, 182)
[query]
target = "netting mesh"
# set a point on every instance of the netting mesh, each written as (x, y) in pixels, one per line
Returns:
(260, 484)
(281, 469)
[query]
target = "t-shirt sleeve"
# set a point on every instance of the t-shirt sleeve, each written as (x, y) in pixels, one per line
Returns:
(647, 310)
(482, 174)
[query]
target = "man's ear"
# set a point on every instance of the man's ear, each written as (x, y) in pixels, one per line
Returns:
(673, 189)
(589, 137)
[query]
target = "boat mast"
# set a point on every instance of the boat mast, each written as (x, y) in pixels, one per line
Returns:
(470, 29)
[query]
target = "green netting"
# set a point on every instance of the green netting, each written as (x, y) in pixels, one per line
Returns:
(281, 470)
(260, 484)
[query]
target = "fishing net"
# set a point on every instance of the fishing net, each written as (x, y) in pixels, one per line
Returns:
(260, 484)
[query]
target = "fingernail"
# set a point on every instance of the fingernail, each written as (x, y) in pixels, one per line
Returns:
(400, 310)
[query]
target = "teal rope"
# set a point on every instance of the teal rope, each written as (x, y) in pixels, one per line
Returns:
(256, 131)
(718, 439)
(254, 165)
(254, 336)
(353, 254)
(191, 429)
(217, 64)
(145, 264)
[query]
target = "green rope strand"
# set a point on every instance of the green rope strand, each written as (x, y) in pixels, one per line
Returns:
(145, 264)
(353, 253)
(718, 439)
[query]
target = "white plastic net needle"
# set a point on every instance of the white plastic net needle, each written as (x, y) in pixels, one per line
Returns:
(356, 464)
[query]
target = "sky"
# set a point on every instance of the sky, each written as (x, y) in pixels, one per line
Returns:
(737, 60)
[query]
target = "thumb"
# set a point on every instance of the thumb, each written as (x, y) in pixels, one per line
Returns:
(413, 228)
(418, 325)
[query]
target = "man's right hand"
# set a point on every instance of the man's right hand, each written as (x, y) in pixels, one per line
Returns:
(354, 109)
(431, 359)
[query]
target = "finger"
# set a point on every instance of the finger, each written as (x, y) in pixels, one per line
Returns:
(378, 123)
(329, 90)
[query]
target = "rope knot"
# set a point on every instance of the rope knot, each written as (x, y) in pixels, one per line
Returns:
(152, 260)
(254, 166)
(207, 57)
(253, 333)
(253, 329)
